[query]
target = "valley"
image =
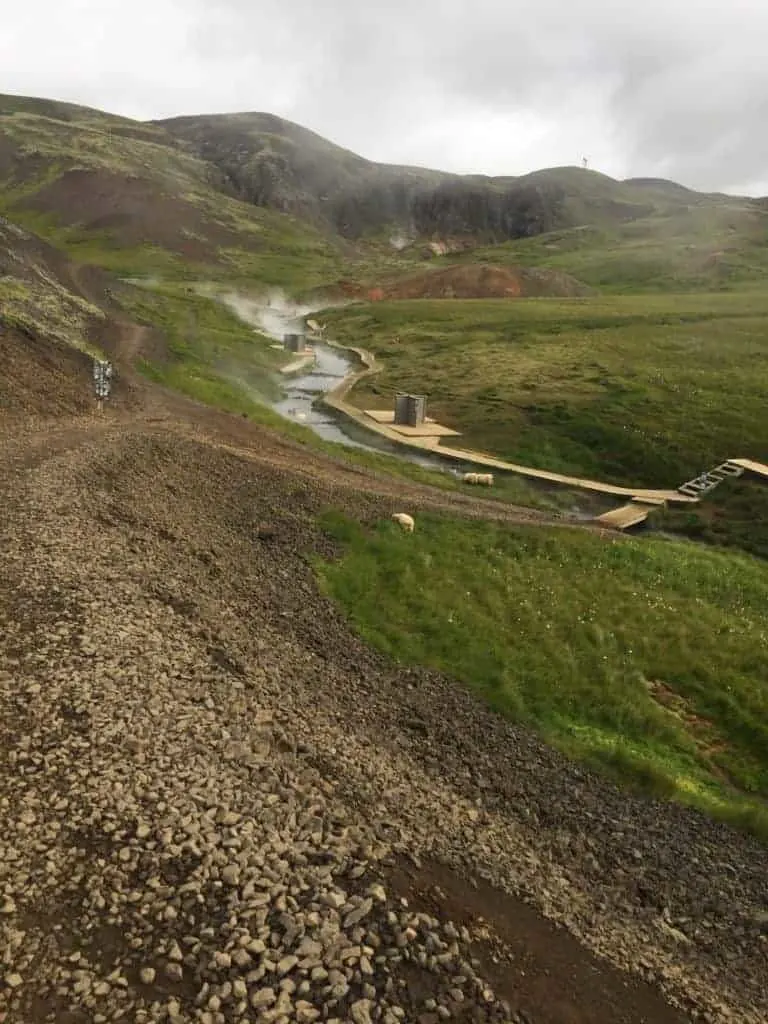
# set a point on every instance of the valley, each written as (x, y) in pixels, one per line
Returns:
(263, 754)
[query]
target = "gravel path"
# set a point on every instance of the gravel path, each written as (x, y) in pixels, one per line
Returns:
(216, 805)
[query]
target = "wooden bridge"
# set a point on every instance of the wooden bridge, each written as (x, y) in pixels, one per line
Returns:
(640, 502)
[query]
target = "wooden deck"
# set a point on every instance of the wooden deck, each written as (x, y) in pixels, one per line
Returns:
(301, 362)
(652, 496)
(625, 516)
(749, 466)
(380, 421)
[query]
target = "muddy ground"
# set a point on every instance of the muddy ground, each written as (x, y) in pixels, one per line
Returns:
(216, 804)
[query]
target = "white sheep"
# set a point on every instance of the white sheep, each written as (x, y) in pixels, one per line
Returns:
(485, 479)
(405, 521)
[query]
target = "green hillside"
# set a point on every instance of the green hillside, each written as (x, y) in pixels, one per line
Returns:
(127, 197)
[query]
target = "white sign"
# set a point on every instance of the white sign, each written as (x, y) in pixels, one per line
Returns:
(102, 378)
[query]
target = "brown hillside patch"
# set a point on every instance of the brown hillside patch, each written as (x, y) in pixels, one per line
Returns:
(41, 377)
(701, 729)
(132, 211)
(483, 281)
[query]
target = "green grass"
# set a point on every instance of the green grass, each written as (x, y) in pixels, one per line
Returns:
(211, 354)
(216, 358)
(639, 390)
(702, 246)
(636, 390)
(734, 515)
(646, 659)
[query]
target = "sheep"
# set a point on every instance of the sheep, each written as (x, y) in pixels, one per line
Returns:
(485, 479)
(405, 521)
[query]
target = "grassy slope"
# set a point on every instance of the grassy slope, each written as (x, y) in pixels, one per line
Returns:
(636, 389)
(707, 245)
(648, 659)
(49, 140)
(643, 390)
(211, 354)
(33, 297)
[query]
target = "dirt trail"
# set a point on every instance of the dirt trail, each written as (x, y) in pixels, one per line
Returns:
(217, 805)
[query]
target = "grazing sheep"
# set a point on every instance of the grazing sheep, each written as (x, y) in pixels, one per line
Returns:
(404, 520)
(485, 479)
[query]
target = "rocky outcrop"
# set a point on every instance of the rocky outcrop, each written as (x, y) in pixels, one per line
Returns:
(271, 162)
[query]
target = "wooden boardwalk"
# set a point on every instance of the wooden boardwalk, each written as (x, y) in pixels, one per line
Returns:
(749, 466)
(626, 516)
(640, 500)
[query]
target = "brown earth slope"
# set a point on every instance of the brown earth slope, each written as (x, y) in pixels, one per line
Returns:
(131, 211)
(484, 281)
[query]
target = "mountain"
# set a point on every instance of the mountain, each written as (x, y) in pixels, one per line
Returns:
(272, 162)
(254, 197)
(131, 198)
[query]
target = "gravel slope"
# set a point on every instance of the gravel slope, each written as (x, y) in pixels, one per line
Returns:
(217, 805)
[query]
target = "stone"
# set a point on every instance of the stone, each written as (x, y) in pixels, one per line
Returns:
(287, 964)
(230, 875)
(305, 1012)
(361, 1011)
(357, 915)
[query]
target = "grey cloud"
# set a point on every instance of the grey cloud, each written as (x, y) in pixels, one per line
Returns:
(660, 87)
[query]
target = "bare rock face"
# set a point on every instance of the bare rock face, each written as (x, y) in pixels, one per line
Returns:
(271, 162)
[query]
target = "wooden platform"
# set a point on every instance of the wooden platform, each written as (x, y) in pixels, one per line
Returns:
(381, 421)
(625, 516)
(429, 428)
(303, 360)
(749, 466)
(650, 496)
(385, 415)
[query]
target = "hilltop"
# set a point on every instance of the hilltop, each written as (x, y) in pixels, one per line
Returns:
(273, 162)
(253, 195)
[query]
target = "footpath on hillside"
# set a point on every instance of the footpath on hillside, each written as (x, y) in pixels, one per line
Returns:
(218, 805)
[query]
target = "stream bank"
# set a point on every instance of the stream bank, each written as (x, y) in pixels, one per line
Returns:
(314, 397)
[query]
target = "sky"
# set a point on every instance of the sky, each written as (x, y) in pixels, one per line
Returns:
(664, 88)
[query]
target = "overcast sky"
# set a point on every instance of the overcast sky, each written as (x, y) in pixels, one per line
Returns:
(673, 88)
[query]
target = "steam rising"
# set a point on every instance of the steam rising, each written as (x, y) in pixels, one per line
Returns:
(400, 241)
(273, 312)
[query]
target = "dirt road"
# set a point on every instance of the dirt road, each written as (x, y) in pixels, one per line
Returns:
(217, 805)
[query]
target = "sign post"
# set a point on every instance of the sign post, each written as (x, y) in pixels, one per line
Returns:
(102, 380)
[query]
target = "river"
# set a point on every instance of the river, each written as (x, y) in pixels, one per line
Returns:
(275, 316)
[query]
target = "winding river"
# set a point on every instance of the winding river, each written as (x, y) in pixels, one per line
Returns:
(275, 317)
